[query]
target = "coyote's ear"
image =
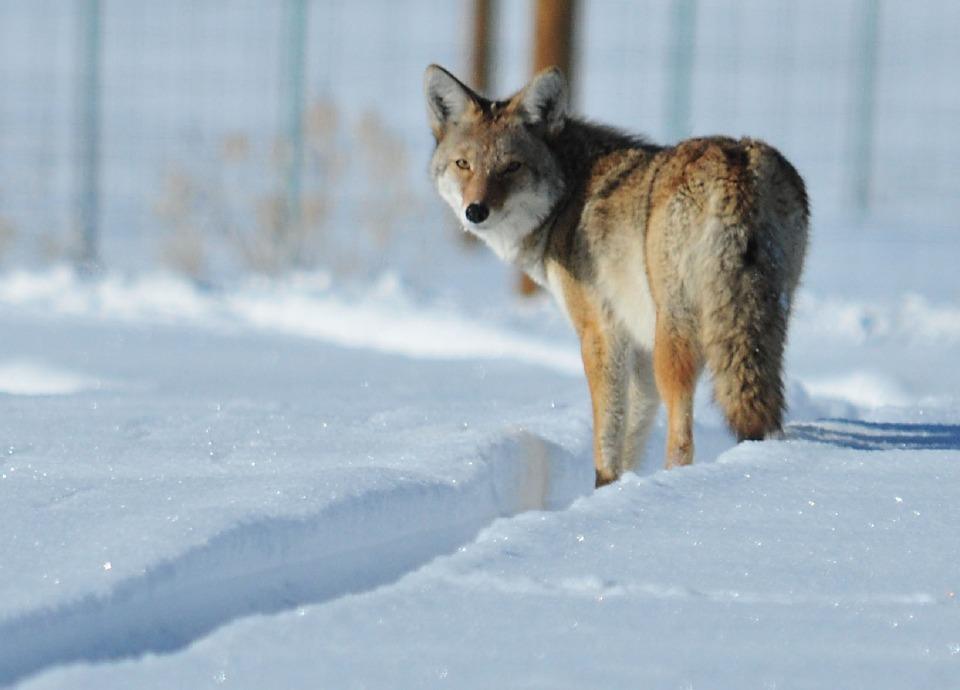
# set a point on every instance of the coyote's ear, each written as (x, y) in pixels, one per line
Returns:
(447, 98)
(544, 100)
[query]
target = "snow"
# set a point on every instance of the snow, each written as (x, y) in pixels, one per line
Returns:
(24, 377)
(302, 305)
(223, 468)
(290, 483)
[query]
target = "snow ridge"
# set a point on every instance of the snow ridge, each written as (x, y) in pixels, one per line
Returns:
(383, 320)
(358, 543)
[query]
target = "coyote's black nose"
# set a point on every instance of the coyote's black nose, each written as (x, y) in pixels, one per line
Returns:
(477, 213)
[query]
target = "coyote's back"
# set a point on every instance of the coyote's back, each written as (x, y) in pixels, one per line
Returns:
(666, 259)
(725, 254)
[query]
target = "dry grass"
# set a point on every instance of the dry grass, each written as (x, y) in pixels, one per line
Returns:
(358, 174)
(183, 247)
(389, 197)
(245, 206)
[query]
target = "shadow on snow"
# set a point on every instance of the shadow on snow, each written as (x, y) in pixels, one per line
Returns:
(859, 435)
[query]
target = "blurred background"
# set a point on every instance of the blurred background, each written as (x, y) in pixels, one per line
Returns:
(215, 138)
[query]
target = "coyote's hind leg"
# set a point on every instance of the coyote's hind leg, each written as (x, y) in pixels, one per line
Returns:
(677, 366)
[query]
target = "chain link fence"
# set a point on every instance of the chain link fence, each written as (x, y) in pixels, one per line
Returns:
(209, 136)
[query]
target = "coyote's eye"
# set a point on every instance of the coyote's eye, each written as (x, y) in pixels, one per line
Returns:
(463, 164)
(512, 168)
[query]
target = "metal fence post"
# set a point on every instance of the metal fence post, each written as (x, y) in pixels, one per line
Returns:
(683, 22)
(294, 79)
(864, 105)
(88, 133)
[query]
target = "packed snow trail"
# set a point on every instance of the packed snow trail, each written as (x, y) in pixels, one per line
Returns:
(386, 525)
(159, 481)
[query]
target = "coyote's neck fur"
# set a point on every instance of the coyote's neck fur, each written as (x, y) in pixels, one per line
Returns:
(580, 149)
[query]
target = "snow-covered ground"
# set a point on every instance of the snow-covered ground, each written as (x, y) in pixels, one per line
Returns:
(387, 483)
(291, 484)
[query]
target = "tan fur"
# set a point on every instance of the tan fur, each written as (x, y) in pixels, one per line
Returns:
(676, 363)
(666, 259)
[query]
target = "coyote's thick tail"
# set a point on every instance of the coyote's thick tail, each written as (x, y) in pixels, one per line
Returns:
(744, 312)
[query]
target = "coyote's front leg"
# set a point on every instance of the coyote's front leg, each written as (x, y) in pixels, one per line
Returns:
(606, 357)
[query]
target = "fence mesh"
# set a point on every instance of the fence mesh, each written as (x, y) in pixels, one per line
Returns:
(271, 135)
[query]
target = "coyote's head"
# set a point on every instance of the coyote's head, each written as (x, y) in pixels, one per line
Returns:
(493, 164)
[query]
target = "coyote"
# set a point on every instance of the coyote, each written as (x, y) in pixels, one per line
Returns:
(665, 258)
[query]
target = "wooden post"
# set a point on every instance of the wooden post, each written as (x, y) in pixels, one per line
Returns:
(552, 45)
(553, 41)
(481, 44)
